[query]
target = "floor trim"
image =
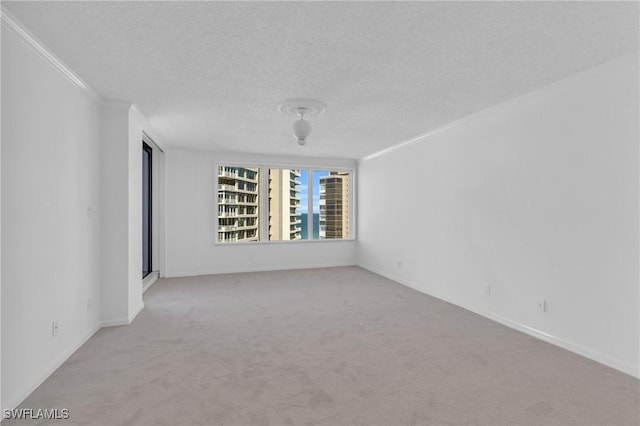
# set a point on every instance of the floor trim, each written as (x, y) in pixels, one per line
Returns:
(554, 340)
(149, 280)
(13, 403)
(266, 269)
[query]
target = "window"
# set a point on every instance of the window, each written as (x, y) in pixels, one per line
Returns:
(273, 204)
(285, 202)
(238, 204)
(334, 203)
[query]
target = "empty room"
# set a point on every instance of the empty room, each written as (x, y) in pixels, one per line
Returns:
(320, 213)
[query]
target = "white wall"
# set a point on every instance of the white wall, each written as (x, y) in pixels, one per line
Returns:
(191, 188)
(1, 406)
(50, 217)
(71, 197)
(114, 168)
(121, 173)
(157, 207)
(537, 198)
(137, 124)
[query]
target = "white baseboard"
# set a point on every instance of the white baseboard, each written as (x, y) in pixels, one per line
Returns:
(123, 321)
(624, 367)
(265, 269)
(115, 322)
(135, 313)
(149, 280)
(14, 401)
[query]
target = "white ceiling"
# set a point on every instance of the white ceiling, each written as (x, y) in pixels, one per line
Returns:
(209, 75)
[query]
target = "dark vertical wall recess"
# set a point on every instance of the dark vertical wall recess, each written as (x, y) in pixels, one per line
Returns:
(146, 209)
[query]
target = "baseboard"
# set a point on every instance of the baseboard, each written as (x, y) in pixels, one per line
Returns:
(149, 280)
(14, 402)
(135, 313)
(265, 269)
(624, 367)
(115, 322)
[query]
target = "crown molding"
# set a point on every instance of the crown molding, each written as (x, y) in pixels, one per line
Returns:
(630, 58)
(15, 27)
(116, 103)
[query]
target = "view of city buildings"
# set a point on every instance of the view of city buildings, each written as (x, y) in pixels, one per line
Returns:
(284, 204)
(238, 201)
(334, 205)
(241, 197)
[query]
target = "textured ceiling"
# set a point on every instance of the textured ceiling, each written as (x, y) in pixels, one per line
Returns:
(209, 75)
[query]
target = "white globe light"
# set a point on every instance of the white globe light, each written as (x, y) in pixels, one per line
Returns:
(301, 109)
(301, 129)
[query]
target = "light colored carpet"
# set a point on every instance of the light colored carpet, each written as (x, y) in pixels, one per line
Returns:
(337, 346)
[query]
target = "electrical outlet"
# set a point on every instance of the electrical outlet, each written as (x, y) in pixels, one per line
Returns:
(487, 290)
(54, 328)
(542, 305)
(399, 263)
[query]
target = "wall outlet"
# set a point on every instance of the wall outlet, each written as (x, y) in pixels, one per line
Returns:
(542, 305)
(487, 290)
(399, 263)
(54, 328)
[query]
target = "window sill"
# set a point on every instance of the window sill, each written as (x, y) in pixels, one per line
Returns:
(242, 243)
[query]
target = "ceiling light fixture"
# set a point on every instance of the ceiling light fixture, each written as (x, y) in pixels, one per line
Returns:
(302, 108)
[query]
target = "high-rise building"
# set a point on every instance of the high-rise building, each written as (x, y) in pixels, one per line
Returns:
(284, 204)
(238, 201)
(334, 205)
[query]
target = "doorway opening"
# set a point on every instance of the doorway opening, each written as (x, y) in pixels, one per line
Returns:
(146, 209)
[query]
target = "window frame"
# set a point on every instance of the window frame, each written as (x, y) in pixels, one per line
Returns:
(263, 204)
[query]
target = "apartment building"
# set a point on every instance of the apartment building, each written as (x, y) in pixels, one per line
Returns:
(284, 204)
(238, 201)
(334, 205)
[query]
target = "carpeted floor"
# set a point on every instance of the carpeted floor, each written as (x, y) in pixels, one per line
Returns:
(338, 346)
